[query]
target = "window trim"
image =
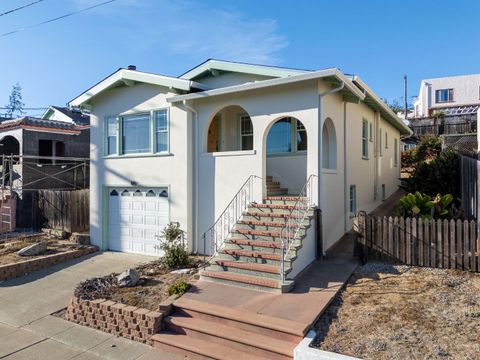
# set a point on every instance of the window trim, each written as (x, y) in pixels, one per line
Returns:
(380, 152)
(395, 153)
(365, 128)
(352, 201)
(293, 138)
(386, 139)
(370, 125)
(153, 142)
(240, 135)
(449, 92)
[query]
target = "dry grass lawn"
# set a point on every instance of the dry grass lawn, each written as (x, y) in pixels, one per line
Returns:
(402, 312)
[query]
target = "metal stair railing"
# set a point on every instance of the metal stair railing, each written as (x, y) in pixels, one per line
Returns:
(294, 222)
(216, 235)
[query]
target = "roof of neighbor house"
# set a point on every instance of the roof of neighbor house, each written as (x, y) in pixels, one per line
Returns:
(36, 124)
(76, 115)
(352, 87)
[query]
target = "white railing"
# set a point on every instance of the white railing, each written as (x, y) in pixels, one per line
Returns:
(295, 221)
(215, 236)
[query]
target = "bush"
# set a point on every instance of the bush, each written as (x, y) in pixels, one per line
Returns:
(178, 288)
(426, 207)
(175, 254)
(409, 158)
(439, 176)
(430, 146)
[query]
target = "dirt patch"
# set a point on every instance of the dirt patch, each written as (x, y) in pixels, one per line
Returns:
(9, 248)
(151, 290)
(401, 312)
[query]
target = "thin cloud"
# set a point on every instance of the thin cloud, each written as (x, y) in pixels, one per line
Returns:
(197, 31)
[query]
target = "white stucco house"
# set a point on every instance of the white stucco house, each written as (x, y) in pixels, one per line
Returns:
(447, 93)
(229, 144)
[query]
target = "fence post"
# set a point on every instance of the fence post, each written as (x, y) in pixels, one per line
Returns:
(408, 244)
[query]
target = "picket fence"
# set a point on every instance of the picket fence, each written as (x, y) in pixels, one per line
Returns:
(432, 243)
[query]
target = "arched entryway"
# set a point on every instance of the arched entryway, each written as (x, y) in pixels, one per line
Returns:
(286, 156)
(9, 147)
(230, 129)
(329, 145)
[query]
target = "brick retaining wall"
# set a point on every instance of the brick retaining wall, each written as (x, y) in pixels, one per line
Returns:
(11, 271)
(115, 318)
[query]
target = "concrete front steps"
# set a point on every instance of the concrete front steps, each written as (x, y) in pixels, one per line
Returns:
(251, 256)
(273, 187)
(202, 330)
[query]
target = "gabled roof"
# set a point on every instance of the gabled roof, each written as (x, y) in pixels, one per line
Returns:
(334, 75)
(212, 65)
(129, 78)
(75, 115)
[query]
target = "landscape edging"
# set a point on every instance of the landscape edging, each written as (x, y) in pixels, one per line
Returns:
(129, 322)
(15, 270)
(303, 351)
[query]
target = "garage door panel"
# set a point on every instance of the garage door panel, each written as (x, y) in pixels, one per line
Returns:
(136, 218)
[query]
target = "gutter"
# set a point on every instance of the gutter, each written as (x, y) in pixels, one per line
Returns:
(347, 83)
(320, 152)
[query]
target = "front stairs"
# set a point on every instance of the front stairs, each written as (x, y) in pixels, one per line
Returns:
(251, 255)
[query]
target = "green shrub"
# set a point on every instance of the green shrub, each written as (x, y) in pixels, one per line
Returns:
(175, 253)
(430, 146)
(409, 158)
(426, 207)
(439, 176)
(178, 288)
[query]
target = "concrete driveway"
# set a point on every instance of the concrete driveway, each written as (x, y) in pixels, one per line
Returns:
(29, 331)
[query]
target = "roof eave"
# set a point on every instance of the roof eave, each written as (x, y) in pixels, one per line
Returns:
(333, 72)
(130, 77)
(372, 100)
(239, 67)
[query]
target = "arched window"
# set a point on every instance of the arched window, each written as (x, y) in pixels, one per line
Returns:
(231, 129)
(125, 193)
(287, 135)
(329, 145)
(150, 193)
(137, 193)
(114, 193)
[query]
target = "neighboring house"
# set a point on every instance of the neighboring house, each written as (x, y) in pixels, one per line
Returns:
(167, 149)
(39, 154)
(73, 116)
(448, 106)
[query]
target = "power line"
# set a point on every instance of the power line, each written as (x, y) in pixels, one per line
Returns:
(57, 18)
(20, 8)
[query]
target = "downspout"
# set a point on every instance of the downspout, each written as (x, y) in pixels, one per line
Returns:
(195, 176)
(345, 169)
(320, 157)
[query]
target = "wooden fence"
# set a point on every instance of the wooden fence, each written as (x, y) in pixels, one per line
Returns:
(64, 210)
(469, 186)
(431, 243)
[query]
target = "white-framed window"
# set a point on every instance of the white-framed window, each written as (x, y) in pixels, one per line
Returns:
(353, 200)
(443, 95)
(141, 133)
(380, 141)
(371, 132)
(161, 130)
(111, 133)
(287, 135)
(246, 132)
(395, 155)
(365, 139)
(386, 140)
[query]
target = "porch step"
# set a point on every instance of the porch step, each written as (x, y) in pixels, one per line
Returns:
(279, 191)
(265, 223)
(183, 344)
(236, 339)
(235, 278)
(257, 243)
(272, 269)
(258, 214)
(253, 254)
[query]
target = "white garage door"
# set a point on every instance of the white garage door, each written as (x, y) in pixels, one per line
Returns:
(137, 217)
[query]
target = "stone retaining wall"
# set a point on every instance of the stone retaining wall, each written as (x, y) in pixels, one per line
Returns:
(115, 318)
(11, 271)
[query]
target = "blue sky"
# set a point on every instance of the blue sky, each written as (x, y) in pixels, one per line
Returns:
(378, 40)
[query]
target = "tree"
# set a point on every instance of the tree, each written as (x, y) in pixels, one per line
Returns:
(15, 105)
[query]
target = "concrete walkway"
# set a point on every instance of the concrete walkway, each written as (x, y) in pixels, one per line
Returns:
(28, 331)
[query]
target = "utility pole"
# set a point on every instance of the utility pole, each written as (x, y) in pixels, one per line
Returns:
(405, 94)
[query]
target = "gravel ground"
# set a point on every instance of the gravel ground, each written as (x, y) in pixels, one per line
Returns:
(403, 312)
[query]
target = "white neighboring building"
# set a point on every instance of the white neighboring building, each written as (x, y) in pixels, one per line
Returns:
(167, 149)
(447, 92)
